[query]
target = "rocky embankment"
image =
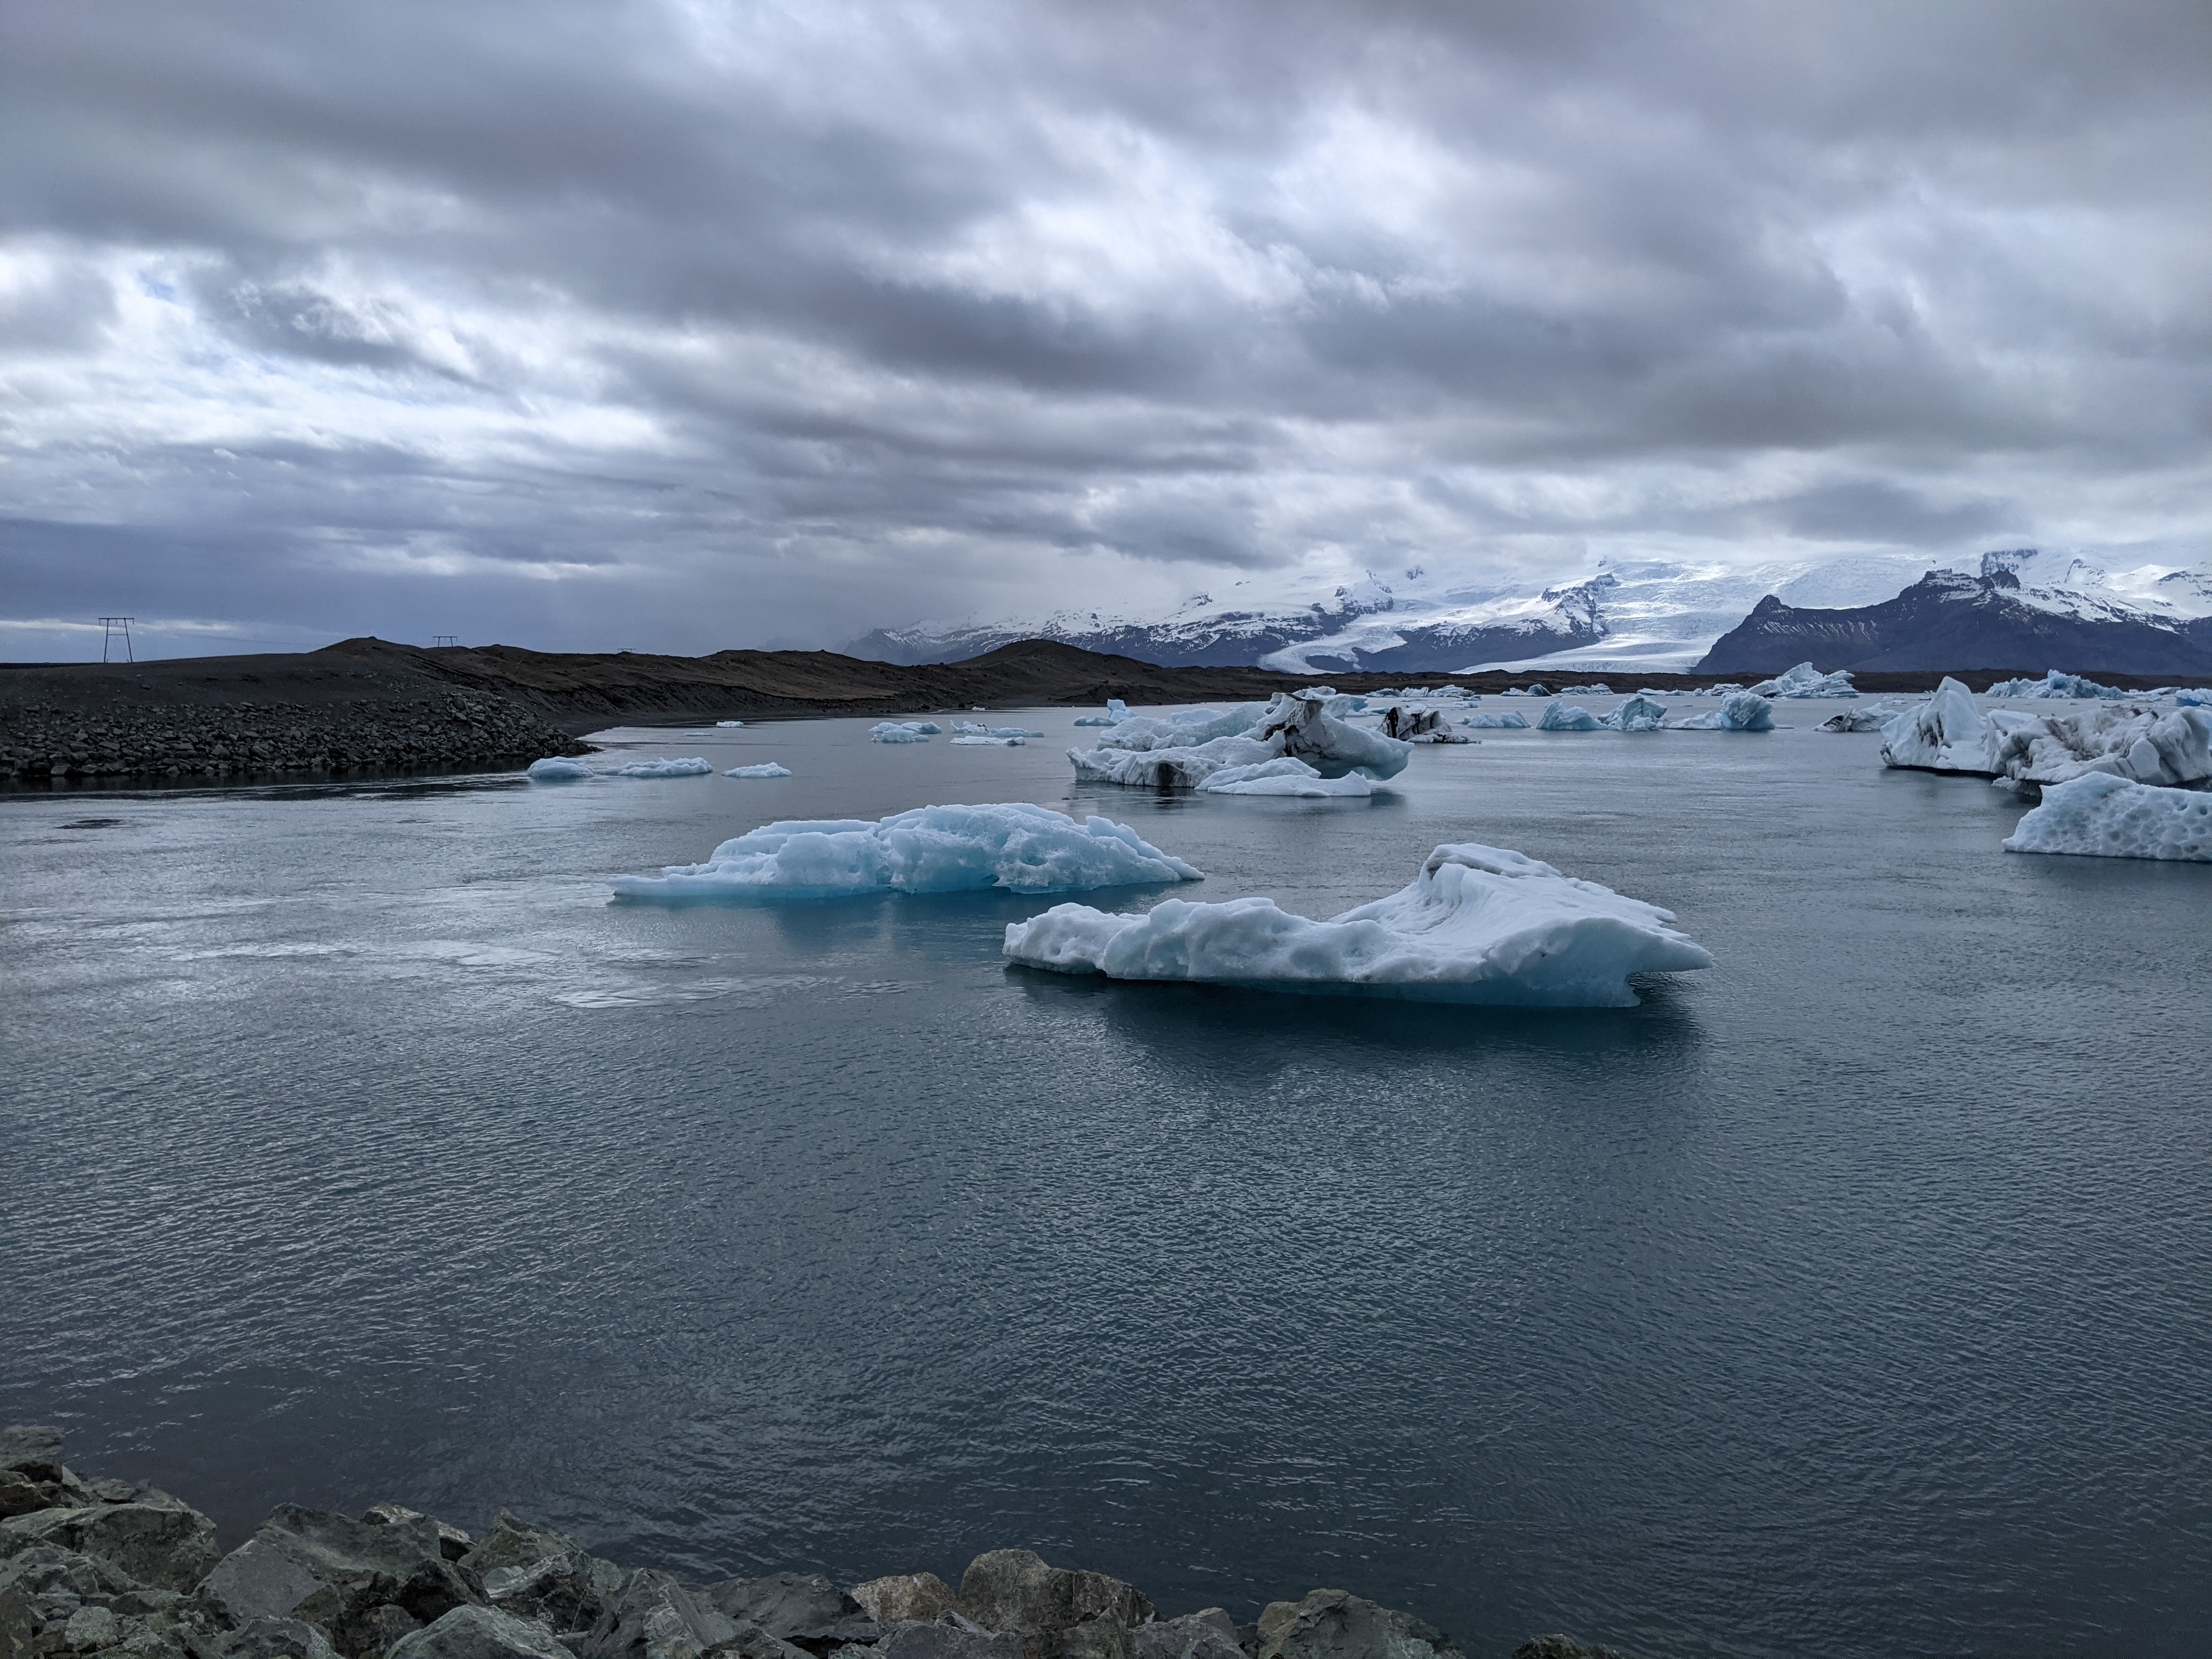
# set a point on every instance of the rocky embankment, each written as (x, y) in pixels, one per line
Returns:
(443, 730)
(103, 1567)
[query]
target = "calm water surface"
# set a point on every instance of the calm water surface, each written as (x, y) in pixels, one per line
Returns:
(1854, 1299)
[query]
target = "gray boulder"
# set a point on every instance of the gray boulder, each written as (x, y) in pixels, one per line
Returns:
(453, 1542)
(751, 1642)
(157, 1539)
(32, 1449)
(1564, 1647)
(1209, 1634)
(514, 1542)
(1060, 1613)
(948, 1636)
(1330, 1624)
(804, 1609)
(270, 1639)
(569, 1592)
(479, 1633)
(904, 1595)
(299, 1552)
(654, 1617)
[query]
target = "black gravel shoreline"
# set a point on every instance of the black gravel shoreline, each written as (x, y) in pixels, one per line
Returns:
(127, 1571)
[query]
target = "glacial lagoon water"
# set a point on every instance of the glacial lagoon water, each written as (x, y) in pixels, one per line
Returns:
(1854, 1297)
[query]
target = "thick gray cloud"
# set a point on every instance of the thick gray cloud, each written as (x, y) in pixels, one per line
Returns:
(684, 325)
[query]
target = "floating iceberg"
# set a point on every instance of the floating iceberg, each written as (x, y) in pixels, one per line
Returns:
(932, 849)
(1478, 925)
(1116, 712)
(1807, 681)
(903, 731)
(1512, 719)
(1596, 688)
(2105, 817)
(985, 740)
(1284, 776)
(1947, 734)
(1855, 720)
(2120, 740)
(765, 769)
(729, 722)
(2054, 685)
(2191, 697)
(1183, 753)
(1638, 714)
(1740, 711)
(1566, 717)
(557, 768)
(692, 767)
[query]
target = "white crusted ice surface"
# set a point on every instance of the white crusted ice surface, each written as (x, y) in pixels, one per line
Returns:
(558, 768)
(2126, 740)
(1284, 776)
(1511, 721)
(1567, 717)
(764, 769)
(1807, 681)
(691, 767)
(931, 849)
(1638, 714)
(2106, 817)
(903, 731)
(1183, 753)
(1478, 925)
(1947, 734)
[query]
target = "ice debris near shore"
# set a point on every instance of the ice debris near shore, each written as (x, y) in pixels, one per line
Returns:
(1950, 732)
(2100, 815)
(903, 731)
(2054, 685)
(1740, 711)
(1183, 751)
(560, 768)
(1479, 925)
(1286, 776)
(1014, 847)
(764, 769)
(1807, 681)
(116, 1569)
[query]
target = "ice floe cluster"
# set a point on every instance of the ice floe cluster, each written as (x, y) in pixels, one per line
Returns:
(1285, 775)
(2053, 685)
(1807, 681)
(2132, 740)
(562, 769)
(1017, 848)
(903, 731)
(2102, 815)
(1185, 749)
(1481, 925)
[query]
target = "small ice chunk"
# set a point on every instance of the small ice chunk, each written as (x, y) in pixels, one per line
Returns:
(729, 722)
(557, 768)
(1740, 711)
(1478, 925)
(902, 730)
(1283, 777)
(986, 741)
(1596, 689)
(1511, 721)
(1638, 714)
(1015, 848)
(1567, 717)
(660, 767)
(2104, 817)
(2054, 685)
(1856, 720)
(765, 769)
(1807, 681)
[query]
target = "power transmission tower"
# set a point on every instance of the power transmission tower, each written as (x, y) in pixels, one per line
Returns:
(110, 628)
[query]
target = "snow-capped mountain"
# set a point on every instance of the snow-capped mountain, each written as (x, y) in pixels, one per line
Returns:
(1949, 620)
(1658, 616)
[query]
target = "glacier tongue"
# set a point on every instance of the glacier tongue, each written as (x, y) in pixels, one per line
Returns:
(1478, 925)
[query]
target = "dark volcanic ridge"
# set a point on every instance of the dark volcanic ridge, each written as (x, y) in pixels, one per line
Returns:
(367, 707)
(109, 1569)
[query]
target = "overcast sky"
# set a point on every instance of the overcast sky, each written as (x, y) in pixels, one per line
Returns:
(677, 326)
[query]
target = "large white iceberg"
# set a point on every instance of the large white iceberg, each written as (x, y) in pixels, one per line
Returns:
(1807, 681)
(2054, 685)
(1183, 753)
(1512, 719)
(1016, 848)
(1286, 776)
(2106, 817)
(1478, 925)
(1740, 711)
(985, 740)
(1638, 714)
(1947, 734)
(557, 768)
(691, 767)
(2130, 741)
(902, 730)
(1567, 717)
(764, 769)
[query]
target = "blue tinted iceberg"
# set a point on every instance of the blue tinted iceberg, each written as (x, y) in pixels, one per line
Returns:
(932, 849)
(558, 768)
(1566, 717)
(1478, 925)
(1807, 681)
(1638, 714)
(1511, 721)
(1286, 776)
(2054, 685)
(2105, 817)
(1740, 711)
